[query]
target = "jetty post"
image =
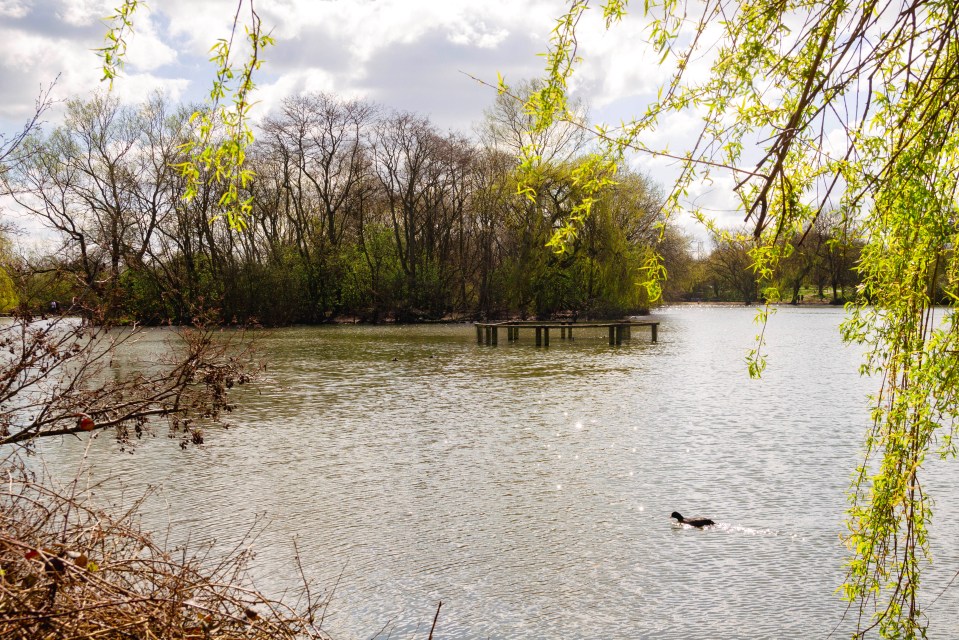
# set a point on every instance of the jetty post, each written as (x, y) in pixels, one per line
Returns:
(618, 330)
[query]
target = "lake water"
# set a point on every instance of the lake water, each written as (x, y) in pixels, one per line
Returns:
(530, 489)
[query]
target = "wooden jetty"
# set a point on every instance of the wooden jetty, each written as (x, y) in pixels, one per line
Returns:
(488, 332)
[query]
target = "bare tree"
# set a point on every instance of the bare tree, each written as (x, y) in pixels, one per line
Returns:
(101, 182)
(411, 175)
(325, 138)
(508, 127)
(12, 146)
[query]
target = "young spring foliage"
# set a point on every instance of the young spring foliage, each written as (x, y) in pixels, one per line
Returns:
(216, 155)
(814, 108)
(114, 49)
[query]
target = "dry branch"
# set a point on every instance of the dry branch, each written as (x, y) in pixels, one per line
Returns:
(71, 570)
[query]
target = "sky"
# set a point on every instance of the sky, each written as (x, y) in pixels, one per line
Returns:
(414, 55)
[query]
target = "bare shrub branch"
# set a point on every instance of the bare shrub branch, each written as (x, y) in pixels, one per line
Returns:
(71, 570)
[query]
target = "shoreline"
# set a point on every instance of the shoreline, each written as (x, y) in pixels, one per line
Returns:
(356, 320)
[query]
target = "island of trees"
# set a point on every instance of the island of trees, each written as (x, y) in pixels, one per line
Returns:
(360, 213)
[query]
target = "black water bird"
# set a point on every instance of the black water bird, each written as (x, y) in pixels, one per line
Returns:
(699, 523)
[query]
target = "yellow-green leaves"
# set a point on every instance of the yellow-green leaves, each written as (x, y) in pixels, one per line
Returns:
(589, 176)
(216, 156)
(8, 292)
(845, 110)
(115, 49)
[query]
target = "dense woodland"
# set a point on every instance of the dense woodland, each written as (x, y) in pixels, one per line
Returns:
(364, 213)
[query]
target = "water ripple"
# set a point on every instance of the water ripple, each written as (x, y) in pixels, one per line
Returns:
(529, 489)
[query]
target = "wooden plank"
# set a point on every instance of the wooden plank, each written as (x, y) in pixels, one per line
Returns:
(618, 331)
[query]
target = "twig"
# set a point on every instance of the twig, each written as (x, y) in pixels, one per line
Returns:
(435, 618)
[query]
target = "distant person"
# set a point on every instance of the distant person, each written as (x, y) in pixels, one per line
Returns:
(54, 306)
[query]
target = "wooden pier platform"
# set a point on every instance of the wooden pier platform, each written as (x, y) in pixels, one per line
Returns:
(488, 332)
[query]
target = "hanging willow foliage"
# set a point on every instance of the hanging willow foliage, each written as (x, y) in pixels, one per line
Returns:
(217, 154)
(820, 107)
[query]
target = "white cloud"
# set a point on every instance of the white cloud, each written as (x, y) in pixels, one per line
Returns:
(478, 35)
(405, 53)
(137, 87)
(197, 25)
(269, 96)
(32, 61)
(30, 235)
(146, 50)
(23, 51)
(13, 8)
(82, 13)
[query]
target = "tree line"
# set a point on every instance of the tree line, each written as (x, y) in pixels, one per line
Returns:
(357, 212)
(365, 213)
(821, 267)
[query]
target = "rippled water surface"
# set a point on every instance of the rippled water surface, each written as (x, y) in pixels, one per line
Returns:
(530, 489)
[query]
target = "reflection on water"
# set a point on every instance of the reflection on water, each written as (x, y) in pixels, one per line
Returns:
(530, 489)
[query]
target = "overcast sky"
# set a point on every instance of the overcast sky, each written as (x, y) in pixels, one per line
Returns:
(405, 54)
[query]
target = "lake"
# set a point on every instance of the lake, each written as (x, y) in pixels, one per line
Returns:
(530, 489)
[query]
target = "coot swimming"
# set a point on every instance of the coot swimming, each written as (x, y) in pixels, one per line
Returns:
(693, 522)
